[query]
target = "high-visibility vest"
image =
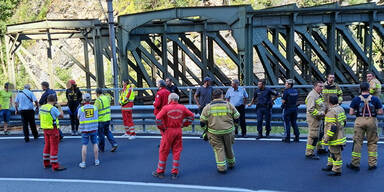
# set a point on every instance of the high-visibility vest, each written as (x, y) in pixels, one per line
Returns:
(127, 95)
(104, 108)
(46, 119)
(88, 118)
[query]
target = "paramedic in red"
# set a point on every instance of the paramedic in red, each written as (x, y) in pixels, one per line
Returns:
(171, 119)
(161, 98)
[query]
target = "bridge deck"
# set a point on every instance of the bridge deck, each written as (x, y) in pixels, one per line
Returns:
(261, 165)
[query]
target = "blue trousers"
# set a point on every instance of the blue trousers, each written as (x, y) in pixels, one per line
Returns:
(290, 117)
(104, 131)
(261, 112)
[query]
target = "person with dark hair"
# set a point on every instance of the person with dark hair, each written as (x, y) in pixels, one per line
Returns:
(203, 96)
(289, 106)
(374, 85)
(24, 106)
(103, 105)
(264, 103)
(127, 96)
(161, 98)
(171, 119)
(172, 88)
(219, 116)
(74, 97)
(5, 102)
(331, 88)
(335, 119)
(237, 96)
(315, 114)
(366, 107)
(43, 99)
(49, 121)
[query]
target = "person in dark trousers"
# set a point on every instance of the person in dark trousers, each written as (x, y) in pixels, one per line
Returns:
(289, 106)
(43, 98)
(263, 96)
(171, 87)
(74, 97)
(238, 96)
(203, 96)
(24, 106)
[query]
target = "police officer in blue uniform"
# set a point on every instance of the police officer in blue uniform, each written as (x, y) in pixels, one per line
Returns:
(263, 96)
(289, 106)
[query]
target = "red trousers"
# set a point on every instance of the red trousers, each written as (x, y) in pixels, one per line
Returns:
(170, 139)
(51, 147)
(126, 111)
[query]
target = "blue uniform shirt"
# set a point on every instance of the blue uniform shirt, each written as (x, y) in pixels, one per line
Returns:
(290, 97)
(26, 100)
(236, 97)
(43, 99)
(263, 97)
(355, 104)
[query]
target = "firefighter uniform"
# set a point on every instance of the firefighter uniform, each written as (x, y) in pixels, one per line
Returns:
(334, 136)
(127, 96)
(315, 113)
(220, 116)
(375, 88)
(49, 122)
(329, 90)
(170, 120)
(366, 107)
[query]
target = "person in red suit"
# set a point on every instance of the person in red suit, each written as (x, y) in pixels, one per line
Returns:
(170, 120)
(161, 98)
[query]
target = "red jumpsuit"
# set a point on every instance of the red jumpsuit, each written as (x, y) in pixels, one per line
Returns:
(126, 111)
(171, 120)
(161, 100)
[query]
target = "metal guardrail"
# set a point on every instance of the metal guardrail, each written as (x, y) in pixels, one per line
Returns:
(143, 115)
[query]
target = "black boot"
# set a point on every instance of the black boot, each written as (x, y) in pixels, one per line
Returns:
(313, 157)
(286, 140)
(322, 151)
(334, 173)
(267, 134)
(297, 139)
(351, 166)
(327, 168)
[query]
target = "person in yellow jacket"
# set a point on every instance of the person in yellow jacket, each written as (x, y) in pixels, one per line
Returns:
(49, 121)
(219, 116)
(331, 88)
(127, 96)
(374, 85)
(103, 105)
(315, 114)
(334, 136)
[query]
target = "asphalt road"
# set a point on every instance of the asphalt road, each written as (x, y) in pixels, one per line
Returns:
(261, 165)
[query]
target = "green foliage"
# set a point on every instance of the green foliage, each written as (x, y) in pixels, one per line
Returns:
(135, 6)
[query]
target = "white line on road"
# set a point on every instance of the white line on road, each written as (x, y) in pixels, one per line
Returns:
(168, 185)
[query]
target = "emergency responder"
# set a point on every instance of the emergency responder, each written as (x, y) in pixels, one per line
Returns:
(161, 98)
(219, 116)
(289, 106)
(127, 96)
(88, 117)
(366, 107)
(374, 85)
(263, 107)
(334, 137)
(103, 105)
(331, 88)
(49, 121)
(171, 119)
(315, 114)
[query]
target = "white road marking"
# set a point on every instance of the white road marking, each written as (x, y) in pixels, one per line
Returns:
(168, 185)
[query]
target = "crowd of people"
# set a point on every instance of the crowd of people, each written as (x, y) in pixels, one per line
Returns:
(220, 116)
